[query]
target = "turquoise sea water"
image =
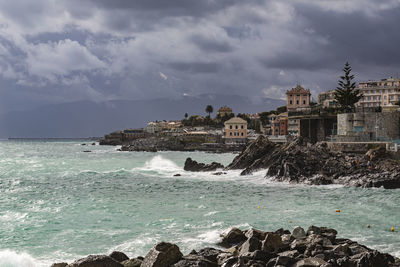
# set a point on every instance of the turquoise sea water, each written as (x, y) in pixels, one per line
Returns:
(58, 203)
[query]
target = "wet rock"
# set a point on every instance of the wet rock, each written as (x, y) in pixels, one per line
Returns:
(298, 232)
(233, 237)
(210, 254)
(161, 255)
(260, 235)
(281, 261)
(194, 166)
(218, 173)
(310, 262)
(250, 245)
(61, 264)
(132, 262)
(193, 260)
(272, 242)
(177, 175)
(96, 261)
(119, 256)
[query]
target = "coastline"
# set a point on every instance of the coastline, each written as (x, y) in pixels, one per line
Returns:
(316, 247)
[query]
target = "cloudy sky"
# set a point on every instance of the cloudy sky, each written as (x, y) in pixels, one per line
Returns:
(54, 51)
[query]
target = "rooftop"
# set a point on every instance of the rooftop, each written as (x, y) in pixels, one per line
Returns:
(236, 120)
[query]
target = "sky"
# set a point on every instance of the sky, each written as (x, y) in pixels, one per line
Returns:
(57, 51)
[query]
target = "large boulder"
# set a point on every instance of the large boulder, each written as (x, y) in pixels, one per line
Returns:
(233, 237)
(272, 242)
(96, 261)
(194, 166)
(119, 256)
(298, 232)
(161, 255)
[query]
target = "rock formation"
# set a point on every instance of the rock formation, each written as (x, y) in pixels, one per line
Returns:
(318, 247)
(194, 166)
(301, 162)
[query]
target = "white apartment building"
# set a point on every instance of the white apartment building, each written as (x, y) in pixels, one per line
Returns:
(385, 92)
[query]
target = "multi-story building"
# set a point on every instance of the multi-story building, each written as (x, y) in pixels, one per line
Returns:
(381, 93)
(235, 129)
(297, 97)
(279, 124)
(327, 99)
(224, 111)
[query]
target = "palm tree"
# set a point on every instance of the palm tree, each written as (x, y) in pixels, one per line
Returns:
(209, 110)
(346, 93)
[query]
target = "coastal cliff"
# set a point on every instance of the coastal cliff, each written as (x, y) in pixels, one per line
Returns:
(301, 162)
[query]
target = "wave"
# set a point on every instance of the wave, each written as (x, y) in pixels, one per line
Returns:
(10, 258)
(159, 163)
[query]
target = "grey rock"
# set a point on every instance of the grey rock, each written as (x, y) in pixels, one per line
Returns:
(60, 264)
(298, 232)
(250, 245)
(161, 255)
(119, 256)
(234, 236)
(96, 261)
(272, 242)
(310, 262)
(132, 262)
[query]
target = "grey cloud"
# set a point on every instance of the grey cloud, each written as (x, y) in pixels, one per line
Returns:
(196, 67)
(211, 44)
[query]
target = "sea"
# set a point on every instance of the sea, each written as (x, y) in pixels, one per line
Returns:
(59, 203)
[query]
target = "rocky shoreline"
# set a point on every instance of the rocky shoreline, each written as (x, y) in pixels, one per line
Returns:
(316, 247)
(301, 162)
(154, 144)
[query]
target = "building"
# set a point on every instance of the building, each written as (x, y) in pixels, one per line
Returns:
(153, 127)
(235, 130)
(224, 111)
(368, 126)
(297, 97)
(279, 124)
(327, 99)
(379, 93)
(132, 134)
(172, 125)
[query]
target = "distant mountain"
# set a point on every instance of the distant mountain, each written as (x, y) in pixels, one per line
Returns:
(85, 118)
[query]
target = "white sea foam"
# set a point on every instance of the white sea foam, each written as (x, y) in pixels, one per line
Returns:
(159, 163)
(10, 258)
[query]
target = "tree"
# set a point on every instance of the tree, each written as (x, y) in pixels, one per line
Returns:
(209, 109)
(281, 109)
(186, 115)
(346, 93)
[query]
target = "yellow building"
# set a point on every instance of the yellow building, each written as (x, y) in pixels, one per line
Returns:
(235, 129)
(297, 97)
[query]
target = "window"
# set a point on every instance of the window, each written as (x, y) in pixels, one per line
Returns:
(230, 133)
(242, 126)
(230, 126)
(304, 102)
(298, 95)
(242, 134)
(291, 102)
(236, 126)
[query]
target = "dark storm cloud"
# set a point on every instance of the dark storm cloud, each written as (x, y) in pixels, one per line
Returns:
(114, 49)
(357, 37)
